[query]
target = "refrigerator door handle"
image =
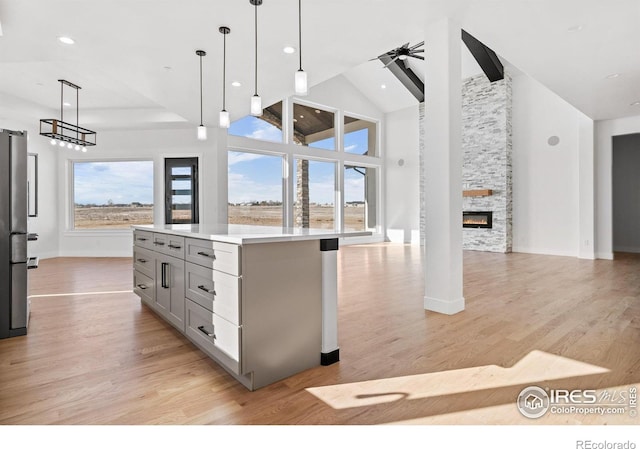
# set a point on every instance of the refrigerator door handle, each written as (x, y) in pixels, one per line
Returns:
(19, 248)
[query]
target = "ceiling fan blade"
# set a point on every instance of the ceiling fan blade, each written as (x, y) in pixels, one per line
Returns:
(405, 45)
(417, 51)
(389, 63)
(417, 45)
(417, 57)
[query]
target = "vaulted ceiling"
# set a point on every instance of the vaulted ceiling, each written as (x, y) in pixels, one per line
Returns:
(135, 59)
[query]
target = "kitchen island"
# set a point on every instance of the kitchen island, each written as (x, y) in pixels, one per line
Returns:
(261, 301)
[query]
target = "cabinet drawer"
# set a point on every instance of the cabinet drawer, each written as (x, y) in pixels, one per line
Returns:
(143, 239)
(215, 291)
(220, 256)
(144, 261)
(144, 287)
(171, 245)
(222, 342)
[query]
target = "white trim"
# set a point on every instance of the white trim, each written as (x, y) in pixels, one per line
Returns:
(545, 251)
(447, 307)
(604, 256)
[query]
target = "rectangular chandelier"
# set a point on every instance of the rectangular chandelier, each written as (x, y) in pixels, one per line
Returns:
(67, 133)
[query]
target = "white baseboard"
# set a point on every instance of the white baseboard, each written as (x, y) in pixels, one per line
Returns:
(544, 251)
(604, 255)
(444, 306)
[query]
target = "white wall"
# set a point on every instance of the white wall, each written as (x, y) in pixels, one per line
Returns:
(145, 145)
(402, 175)
(546, 192)
(45, 224)
(605, 130)
(626, 193)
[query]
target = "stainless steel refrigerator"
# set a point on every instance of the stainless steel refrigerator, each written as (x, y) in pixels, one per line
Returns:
(14, 305)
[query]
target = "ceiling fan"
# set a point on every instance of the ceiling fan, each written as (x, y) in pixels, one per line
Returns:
(403, 53)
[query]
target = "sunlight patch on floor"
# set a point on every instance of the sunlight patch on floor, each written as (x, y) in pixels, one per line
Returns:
(537, 366)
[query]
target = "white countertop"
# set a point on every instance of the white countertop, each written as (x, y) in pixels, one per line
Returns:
(246, 234)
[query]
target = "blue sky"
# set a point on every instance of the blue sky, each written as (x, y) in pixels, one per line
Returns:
(256, 177)
(122, 182)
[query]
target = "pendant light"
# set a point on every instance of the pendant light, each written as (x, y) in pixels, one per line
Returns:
(301, 76)
(256, 101)
(202, 130)
(224, 115)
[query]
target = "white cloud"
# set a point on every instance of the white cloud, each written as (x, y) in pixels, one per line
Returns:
(265, 131)
(349, 148)
(237, 157)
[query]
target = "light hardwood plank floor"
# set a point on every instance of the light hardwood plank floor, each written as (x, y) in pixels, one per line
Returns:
(95, 355)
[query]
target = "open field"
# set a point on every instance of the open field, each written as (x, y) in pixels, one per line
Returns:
(113, 217)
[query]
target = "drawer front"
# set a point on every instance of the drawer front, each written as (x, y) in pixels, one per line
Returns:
(201, 330)
(215, 291)
(199, 285)
(144, 287)
(144, 261)
(143, 239)
(171, 245)
(227, 337)
(220, 256)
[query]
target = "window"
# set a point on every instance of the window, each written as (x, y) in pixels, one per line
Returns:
(360, 198)
(112, 195)
(314, 194)
(359, 136)
(255, 189)
(181, 190)
(266, 127)
(313, 127)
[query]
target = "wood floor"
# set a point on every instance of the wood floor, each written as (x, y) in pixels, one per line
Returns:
(95, 355)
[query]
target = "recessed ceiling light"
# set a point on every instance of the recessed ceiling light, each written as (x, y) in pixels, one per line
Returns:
(573, 29)
(302, 116)
(295, 120)
(635, 103)
(66, 103)
(236, 84)
(318, 111)
(383, 86)
(289, 50)
(66, 40)
(613, 75)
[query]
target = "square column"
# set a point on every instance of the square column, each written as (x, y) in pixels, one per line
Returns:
(443, 168)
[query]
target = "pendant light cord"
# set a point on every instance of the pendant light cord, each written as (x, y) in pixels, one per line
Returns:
(300, 31)
(256, 55)
(200, 90)
(224, 71)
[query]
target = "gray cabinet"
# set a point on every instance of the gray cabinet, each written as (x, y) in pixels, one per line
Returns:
(169, 289)
(255, 309)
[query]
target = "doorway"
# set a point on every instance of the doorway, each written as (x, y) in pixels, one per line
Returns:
(181, 190)
(626, 193)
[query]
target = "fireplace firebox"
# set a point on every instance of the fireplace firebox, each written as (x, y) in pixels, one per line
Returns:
(472, 219)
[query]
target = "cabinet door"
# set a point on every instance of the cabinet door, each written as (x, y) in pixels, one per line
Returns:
(170, 289)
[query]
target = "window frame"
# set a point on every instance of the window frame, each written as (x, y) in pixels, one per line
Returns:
(70, 209)
(290, 151)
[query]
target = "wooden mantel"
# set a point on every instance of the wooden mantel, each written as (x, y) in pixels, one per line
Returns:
(484, 192)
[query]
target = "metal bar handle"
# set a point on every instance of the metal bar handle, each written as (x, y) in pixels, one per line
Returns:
(202, 253)
(142, 286)
(204, 289)
(163, 270)
(206, 332)
(174, 246)
(142, 260)
(142, 239)
(158, 243)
